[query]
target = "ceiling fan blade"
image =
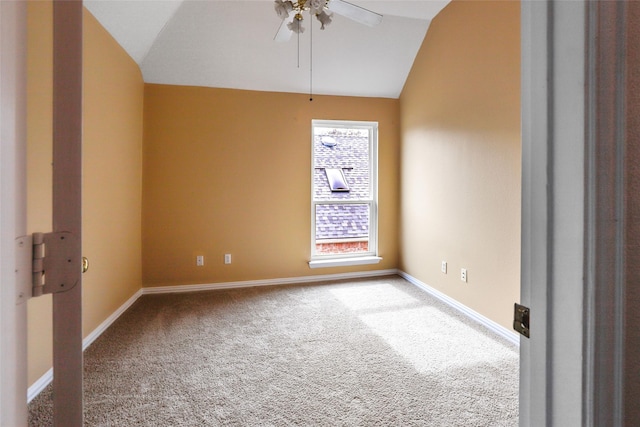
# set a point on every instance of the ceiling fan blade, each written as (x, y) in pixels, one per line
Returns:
(284, 33)
(356, 13)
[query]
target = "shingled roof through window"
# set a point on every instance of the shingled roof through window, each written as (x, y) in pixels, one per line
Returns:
(350, 153)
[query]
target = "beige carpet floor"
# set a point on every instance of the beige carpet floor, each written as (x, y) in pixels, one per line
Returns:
(376, 352)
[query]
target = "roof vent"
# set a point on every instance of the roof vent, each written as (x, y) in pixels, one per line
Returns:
(328, 141)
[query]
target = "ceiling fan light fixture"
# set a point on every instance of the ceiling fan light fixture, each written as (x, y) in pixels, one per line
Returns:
(324, 18)
(296, 25)
(283, 8)
(317, 6)
(322, 10)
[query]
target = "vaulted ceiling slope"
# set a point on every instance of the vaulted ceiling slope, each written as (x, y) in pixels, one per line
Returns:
(229, 44)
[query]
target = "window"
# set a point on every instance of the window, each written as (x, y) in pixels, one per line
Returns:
(344, 193)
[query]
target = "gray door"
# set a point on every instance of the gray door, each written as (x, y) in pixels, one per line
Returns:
(67, 209)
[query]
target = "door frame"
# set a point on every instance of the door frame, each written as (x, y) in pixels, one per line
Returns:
(13, 209)
(573, 93)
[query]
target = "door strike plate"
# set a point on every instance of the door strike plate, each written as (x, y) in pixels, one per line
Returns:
(521, 319)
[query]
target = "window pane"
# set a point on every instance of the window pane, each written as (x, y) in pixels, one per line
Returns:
(345, 149)
(342, 228)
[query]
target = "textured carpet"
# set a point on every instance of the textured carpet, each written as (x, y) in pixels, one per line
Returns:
(376, 352)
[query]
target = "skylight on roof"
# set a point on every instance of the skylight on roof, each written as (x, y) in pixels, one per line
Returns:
(337, 180)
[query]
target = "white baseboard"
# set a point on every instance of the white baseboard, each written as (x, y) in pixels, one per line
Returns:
(86, 342)
(39, 385)
(266, 282)
(496, 328)
(44, 380)
(514, 338)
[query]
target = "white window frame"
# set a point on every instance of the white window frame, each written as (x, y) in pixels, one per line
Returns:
(371, 256)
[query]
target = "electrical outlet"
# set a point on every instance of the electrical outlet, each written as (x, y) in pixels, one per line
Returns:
(463, 274)
(443, 267)
(227, 258)
(200, 260)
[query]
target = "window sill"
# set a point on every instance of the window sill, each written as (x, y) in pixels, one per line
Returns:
(344, 262)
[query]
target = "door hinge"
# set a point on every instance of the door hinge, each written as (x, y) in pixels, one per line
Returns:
(521, 319)
(24, 256)
(56, 265)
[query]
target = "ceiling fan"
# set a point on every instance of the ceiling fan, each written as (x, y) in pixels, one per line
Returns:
(322, 10)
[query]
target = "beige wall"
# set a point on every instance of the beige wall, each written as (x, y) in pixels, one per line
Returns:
(460, 157)
(228, 171)
(632, 219)
(112, 173)
(39, 158)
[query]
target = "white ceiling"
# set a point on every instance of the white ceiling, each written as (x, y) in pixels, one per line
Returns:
(229, 44)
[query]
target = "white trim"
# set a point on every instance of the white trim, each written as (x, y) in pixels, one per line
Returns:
(494, 327)
(535, 374)
(512, 337)
(13, 309)
(89, 339)
(45, 379)
(266, 282)
(347, 240)
(39, 385)
(344, 262)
